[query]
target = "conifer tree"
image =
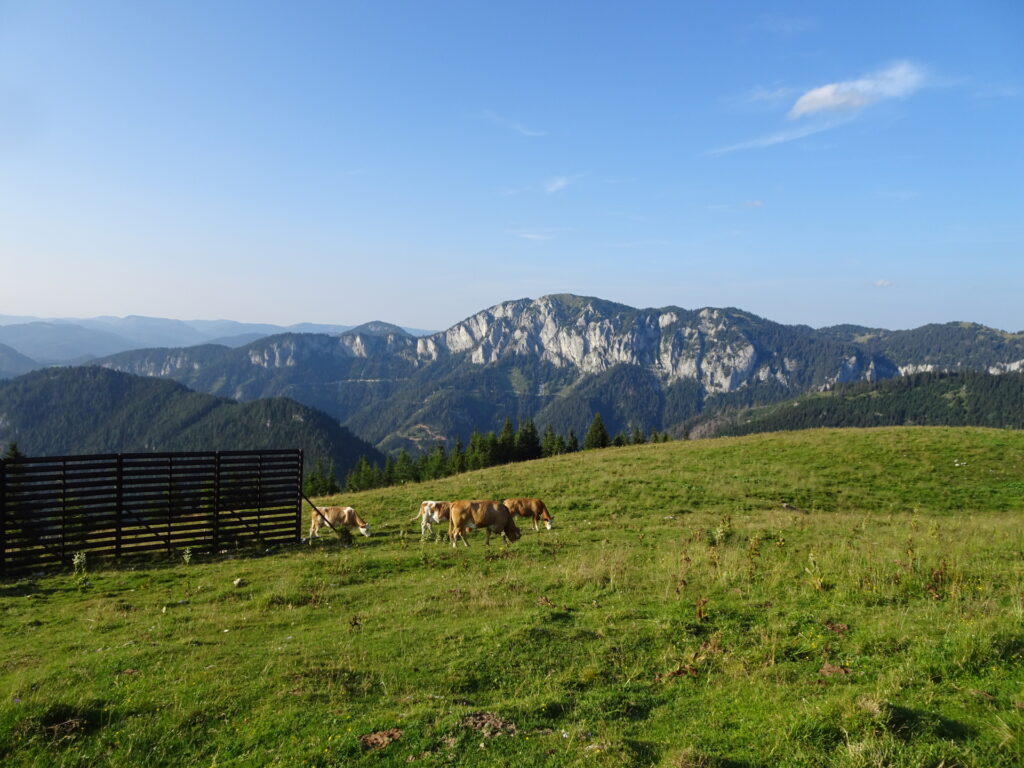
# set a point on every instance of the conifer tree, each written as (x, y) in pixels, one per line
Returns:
(527, 442)
(434, 464)
(477, 455)
(572, 444)
(505, 446)
(405, 470)
(12, 452)
(638, 436)
(331, 484)
(457, 459)
(547, 443)
(597, 435)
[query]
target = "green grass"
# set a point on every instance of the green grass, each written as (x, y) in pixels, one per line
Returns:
(677, 615)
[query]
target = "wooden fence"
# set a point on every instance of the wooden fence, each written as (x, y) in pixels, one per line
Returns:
(124, 504)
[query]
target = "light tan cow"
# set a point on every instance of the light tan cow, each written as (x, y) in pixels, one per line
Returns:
(337, 517)
(431, 513)
(534, 508)
(493, 516)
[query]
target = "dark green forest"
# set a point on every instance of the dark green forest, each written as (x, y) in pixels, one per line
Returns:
(925, 399)
(64, 411)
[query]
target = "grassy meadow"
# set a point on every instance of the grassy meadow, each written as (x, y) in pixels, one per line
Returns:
(821, 598)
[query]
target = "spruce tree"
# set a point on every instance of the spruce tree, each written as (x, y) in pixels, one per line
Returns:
(597, 435)
(506, 444)
(434, 464)
(547, 443)
(527, 444)
(572, 444)
(12, 452)
(457, 459)
(405, 470)
(476, 453)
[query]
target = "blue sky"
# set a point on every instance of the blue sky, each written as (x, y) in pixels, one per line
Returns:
(415, 162)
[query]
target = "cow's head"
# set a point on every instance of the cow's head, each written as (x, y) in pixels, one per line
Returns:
(512, 533)
(364, 529)
(548, 523)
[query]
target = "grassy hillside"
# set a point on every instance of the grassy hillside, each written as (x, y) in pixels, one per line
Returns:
(840, 598)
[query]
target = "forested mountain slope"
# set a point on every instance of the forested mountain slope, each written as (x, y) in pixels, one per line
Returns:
(95, 410)
(968, 398)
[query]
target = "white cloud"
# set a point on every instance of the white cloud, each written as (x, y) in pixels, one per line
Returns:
(556, 184)
(770, 95)
(851, 96)
(541, 234)
(882, 284)
(512, 125)
(777, 138)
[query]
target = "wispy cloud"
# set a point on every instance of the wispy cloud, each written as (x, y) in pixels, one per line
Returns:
(512, 125)
(770, 95)
(829, 106)
(557, 184)
(882, 284)
(777, 138)
(541, 234)
(896, 81)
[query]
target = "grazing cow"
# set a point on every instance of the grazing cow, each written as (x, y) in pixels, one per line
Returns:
(534, 508)
(336, 516)
(431, 513)
(493, 516)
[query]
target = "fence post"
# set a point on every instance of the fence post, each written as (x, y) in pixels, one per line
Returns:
(216, 503)
(298, 498)
(3, 515)
(119, 512)
(63, 510)
(259, 499)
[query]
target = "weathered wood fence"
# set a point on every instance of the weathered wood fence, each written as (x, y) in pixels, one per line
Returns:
(124, 504)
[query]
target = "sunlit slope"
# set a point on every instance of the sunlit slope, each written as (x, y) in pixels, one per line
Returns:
(678, 615)
(928, 470)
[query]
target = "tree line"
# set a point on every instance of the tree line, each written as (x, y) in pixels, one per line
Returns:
(523, 443)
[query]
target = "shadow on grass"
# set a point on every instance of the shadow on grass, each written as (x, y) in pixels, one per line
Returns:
(907, 723)
(57, 726)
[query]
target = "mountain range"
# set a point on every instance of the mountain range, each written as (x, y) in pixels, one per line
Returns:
(76, 340)
(558, 360)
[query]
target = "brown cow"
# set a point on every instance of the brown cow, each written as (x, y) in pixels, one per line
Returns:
(534, 508)
(432, 512)
(337, 517)
(493, 516)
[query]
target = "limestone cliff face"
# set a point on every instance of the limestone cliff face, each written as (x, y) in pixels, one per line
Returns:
(718, 348)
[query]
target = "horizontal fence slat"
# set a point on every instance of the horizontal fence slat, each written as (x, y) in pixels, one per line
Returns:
(136, 503)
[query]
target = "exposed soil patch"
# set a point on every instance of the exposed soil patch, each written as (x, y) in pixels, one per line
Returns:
(829, 669)
(380, 739)
(489, 724)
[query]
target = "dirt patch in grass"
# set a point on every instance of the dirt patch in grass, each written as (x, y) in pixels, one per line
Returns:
(380, 739)
(489, 724)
